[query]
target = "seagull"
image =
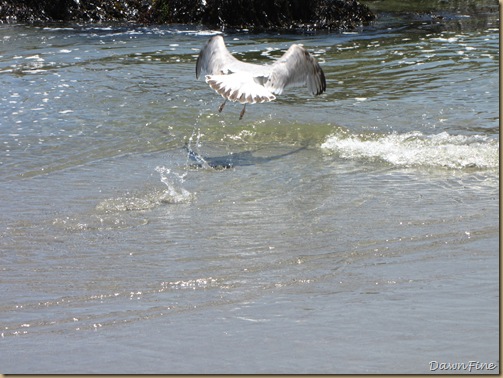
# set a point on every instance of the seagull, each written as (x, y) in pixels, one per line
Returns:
(253, 83)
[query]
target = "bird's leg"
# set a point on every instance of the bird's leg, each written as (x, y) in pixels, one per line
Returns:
(221, 107)
(242, 112)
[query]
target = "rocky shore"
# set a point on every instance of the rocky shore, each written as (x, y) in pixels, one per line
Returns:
(256, 15)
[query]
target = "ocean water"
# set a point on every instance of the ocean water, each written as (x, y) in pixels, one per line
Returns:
(141, 231)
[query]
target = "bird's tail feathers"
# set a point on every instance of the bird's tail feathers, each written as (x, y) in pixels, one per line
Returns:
(239, 88)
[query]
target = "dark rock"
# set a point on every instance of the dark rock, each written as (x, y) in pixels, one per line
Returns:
(286, 15)
(257, 15)
(32, 11)
(173, 11)
(341, 14)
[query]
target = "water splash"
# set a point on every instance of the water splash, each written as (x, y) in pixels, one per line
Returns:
(174, 193)
(416, 149)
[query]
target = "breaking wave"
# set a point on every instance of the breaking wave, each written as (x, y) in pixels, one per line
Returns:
(415, 149)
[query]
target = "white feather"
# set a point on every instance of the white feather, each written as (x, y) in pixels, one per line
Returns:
(239, 87)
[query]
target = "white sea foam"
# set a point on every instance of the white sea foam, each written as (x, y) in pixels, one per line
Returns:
(35, 57)
(417, 149)
(448, 40)
(199, 32)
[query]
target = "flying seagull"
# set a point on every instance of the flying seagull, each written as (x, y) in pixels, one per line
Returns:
(253, 83)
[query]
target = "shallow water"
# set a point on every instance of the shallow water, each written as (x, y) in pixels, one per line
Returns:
(354, 232)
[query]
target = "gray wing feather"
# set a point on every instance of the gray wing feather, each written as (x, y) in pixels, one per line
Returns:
(296, 68)
(213, 58)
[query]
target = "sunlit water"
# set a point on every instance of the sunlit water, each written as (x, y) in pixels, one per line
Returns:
(354, 232)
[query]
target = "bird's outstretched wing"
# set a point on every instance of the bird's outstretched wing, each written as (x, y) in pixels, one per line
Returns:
(215, 59)
(296, 68)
